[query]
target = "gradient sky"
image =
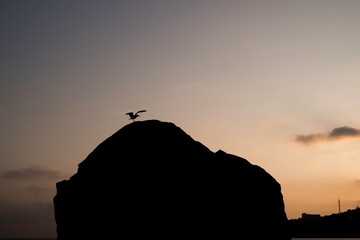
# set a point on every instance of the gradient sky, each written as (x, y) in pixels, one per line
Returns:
(275, 82)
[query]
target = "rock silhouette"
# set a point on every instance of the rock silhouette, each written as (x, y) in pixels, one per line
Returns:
(151, 179)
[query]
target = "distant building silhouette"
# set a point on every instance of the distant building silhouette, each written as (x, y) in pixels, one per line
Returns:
(339, 225)
(306, 216)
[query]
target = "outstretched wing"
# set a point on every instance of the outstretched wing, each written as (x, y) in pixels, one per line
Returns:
(131, 114)
(140, 111)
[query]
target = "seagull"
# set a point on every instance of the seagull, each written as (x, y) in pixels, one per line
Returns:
(133, 116)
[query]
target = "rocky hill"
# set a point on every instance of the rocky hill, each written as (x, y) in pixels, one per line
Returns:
(151, 179)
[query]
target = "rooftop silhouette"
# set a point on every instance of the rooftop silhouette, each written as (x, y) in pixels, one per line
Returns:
(341, 225)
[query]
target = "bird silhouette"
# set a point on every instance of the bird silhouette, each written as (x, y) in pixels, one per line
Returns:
(134, 116)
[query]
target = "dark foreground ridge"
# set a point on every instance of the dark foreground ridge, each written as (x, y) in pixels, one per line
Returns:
(341, 225)
(151, 179)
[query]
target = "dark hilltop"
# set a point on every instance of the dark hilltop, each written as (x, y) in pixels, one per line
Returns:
(151, 179)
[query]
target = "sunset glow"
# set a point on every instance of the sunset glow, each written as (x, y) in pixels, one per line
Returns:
(275, 82)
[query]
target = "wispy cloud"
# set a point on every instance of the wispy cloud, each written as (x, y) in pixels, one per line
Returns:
(34, 172)
(335, 134)
(310, 138)
(357, 181)
(37, 190)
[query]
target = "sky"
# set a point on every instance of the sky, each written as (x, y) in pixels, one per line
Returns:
(276, 82)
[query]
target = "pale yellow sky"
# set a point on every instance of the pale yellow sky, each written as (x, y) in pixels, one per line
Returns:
(246, 77)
